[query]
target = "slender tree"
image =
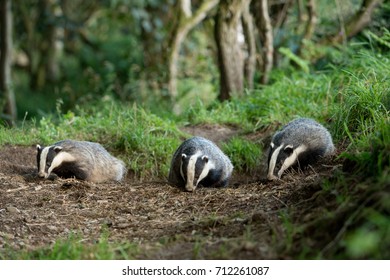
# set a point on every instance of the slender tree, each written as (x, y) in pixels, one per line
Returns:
(186, 21)
(55, 34)
(310, 24)
(250, 40)
(312, 20)
(230, 54)
(279, 13)
(6, 91)
(357, 22)
(266, 39)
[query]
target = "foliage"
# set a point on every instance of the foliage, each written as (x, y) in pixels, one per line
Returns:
(117, 48)
(224, 113)
(100, 47)
(383, 41)
(244, 153)
(73, 248)
(292, 96)
(367, 240)
(357, 198)
(363, 114)
(18, 136)
(304, 65)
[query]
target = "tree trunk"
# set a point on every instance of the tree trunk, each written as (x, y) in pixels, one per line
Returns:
(301, 17)
(47, 68)
(249, 33)
(6, 90)
(55, 43)
(230, 56)
(264, 27)
(358, 22)
(279, 12)
(185, 23)
(310, 26)
(312, 21)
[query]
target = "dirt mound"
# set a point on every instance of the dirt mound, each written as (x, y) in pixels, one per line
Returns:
(214, 132)
(170, 222)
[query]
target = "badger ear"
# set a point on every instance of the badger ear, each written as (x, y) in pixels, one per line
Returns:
(39, 147)
(57, 149)
(205, 159)
(183, 156)
(272, 145)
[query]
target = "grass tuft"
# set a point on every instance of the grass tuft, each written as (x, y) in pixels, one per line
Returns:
(245, 155)
(73, 248)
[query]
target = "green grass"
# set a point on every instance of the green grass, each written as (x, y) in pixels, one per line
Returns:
(363, 114)
(73, 248)
(18, 136)
(361, 129)
(245, 154)
(298, 95)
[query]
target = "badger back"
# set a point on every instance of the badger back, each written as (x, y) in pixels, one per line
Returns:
(81, 159)
(199, 161)
(302, 141)
(103, 166)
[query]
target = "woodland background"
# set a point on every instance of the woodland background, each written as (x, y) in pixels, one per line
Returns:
(165, 51)
(140, 76)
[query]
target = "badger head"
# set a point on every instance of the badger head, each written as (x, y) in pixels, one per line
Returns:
(194, 168)
(49, 158)
(282, 157)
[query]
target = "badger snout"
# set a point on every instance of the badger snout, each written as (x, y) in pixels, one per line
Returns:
(272, 177)
(190, 187)
(275, 173)
(43, 175)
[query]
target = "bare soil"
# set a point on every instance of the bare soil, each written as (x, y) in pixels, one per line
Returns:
(241, 221)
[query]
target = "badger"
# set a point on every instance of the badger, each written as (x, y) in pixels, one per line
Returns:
(199, 161)
(301, 142)
(80, 159)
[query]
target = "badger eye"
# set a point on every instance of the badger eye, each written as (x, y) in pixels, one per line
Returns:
(288, 150)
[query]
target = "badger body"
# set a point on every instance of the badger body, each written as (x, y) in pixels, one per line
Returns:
(301, 142)
(80, 159)
(199, 161)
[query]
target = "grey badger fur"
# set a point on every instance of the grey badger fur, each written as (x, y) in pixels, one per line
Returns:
(199, 161)
(80, 159)
(302, 141)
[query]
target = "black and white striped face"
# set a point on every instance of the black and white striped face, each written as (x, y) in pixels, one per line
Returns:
(282, 157)
(194, 168)
(49, 158)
